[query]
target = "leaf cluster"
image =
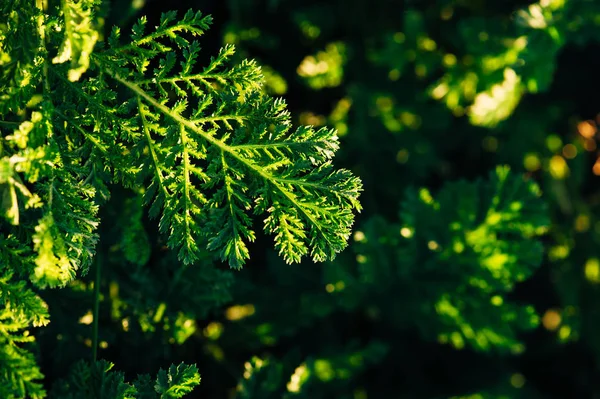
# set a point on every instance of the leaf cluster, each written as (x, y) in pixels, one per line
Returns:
(202, 147)
(468, 247)
(99, 380)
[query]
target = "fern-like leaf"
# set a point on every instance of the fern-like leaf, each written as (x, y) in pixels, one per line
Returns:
(99, 380)
(177, 382)
(215, 150)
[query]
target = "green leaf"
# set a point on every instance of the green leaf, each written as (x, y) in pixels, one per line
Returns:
(216, 150)
(177, 382)
(20, 376)
(98, 380)
(80, 36)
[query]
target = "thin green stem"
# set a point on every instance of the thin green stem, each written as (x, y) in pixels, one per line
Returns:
(8, 124)
(96, 308)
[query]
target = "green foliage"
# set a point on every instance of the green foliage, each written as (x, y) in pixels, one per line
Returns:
(96, 380)
(177, 382)
(215, 149)
(315, 377)
(496, 61)
(21, 309)
(203, 147)
(436, 92)
(21, 53)
(131, 153)
(99, 380)
(326, 68)
(80, 36)
(470, 247)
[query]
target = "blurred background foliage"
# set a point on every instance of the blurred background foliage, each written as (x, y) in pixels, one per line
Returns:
(463, 279)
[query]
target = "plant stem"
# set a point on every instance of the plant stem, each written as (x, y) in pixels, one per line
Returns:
(96, 308)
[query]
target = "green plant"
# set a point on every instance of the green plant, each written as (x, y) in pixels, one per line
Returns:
(426, 93)
(204, 148)
(463, 279)
(99, 380)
